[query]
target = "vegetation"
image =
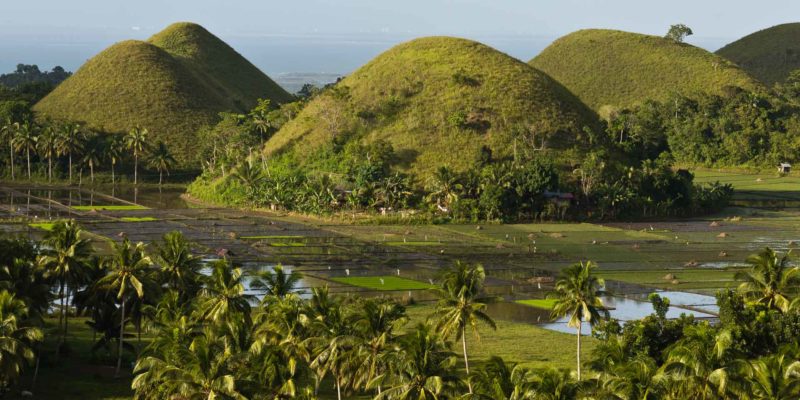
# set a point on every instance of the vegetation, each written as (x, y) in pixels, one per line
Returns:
(769, 55)
(383, 282)
(172, 85)
(612, 69)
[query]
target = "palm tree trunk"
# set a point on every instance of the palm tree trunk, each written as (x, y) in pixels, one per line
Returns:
(160, 175)
(338, 389)
(49, 169)
(91, 172)
(121, 336)
(112, 173)
(135, 169)
(70, 167)
(466, 359)
(579, 351)
(28, 155)
(66, 317)
(11, 147)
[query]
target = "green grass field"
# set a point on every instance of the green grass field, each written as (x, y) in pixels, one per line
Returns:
(389, 282)
(126, 207)
(138, 219)
(45, 226)
(545, 304)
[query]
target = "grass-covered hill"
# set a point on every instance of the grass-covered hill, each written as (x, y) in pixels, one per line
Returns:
(620, 69)
(438, 101)
(769, 55)
(172, 85)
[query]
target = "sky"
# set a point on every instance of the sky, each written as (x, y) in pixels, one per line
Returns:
(338, 36)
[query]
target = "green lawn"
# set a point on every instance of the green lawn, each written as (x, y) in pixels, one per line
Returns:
(389, 283)
(545, 304)
(125, 207)
(45, 226)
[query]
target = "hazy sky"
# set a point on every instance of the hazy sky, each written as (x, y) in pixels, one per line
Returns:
(87, 26)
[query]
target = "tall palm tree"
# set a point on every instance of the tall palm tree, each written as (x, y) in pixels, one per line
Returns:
(462, 304)
(47, 147)
(115, 152)
(333, 340)
(423, 368)
(131, 270)
(180, 269)
(223, 299)
(24, 141)
(498, 380)
(161, 159)
(770, 281)
(70, 142)
(376, 322)
(776, 376)
(136, 142)
(64, 257)
(93, 154)
(9, 131)
(577, 295)
(16, 340)
(276, 281)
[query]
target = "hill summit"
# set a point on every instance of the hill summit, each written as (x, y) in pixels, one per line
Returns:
(621, 69)
(769, 55)
(438, 101)
(172, 84)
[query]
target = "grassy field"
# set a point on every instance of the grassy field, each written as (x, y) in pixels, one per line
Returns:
(758, 52)
(383, 282)
(138, 219)
(545, 304)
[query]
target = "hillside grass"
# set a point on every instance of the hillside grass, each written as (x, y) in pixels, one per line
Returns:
(172, 90)
(769, 54)
(621, 69)
(411, 95)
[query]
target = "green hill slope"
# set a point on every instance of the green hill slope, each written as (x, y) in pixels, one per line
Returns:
(170, 92)
(769, 55)
(438, 101)
(620, 69)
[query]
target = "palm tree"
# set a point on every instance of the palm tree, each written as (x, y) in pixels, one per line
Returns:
(333, 339)
(555, 384)
(577, 295)
(423, 368)
(276, 281)
(161, 159)
(498, 380)
(776, 376)
(770, 281)
(93, 154)
(9, 132)
(47, 147)
(64, 257)
(223, 299)
(130, 270)
(25, 141)
(375, 324)
(445, 188)
(136, 142)
(462, 304)
(70, 142)
(114, 152)
(15, 340)
(180, 269)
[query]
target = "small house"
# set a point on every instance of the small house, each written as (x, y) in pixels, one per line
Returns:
(784, 168)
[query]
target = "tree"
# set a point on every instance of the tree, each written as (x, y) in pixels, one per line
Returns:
(93, 153)
(445, 188)
(776, 376)
(770, 281)
(332, 341)
(64, 257)
(9, 131)
(24, 141)
(679, 32)
(161, 159)
(136, 142)
(47, 147)
(276, 281)
(498, 380)
(701, 363)
(223, 299)
(114, 152)
(131, 270)
(180, 269)
(70, 141)
(462, 304)
(375, 325)
(577, 295)
(16, 340)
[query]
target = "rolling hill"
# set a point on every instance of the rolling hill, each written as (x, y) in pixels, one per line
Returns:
(173, 84)
(769, 55)
(621, 69)
(438, 101)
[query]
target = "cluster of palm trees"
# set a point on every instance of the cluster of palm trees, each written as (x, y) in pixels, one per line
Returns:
(50, 142)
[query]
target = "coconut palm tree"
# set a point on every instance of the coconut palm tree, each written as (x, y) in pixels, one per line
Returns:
(25, 140)
(9, 131)
(555, 384)
(64, 257)
(115, 152)
(131, 271)
(27, 282)
(180, 269)
(462, 304)
(770, 281)
(161, 159)
(47, 147)
(93, 154)
(376, 322)
(70, 142)
(276, 281)
(423, 368)
(776, 376)
(223, 299)
(136, 142)
(16, 340)
(445, 188)
(498, 380)
(333, 340)
(577, 295)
